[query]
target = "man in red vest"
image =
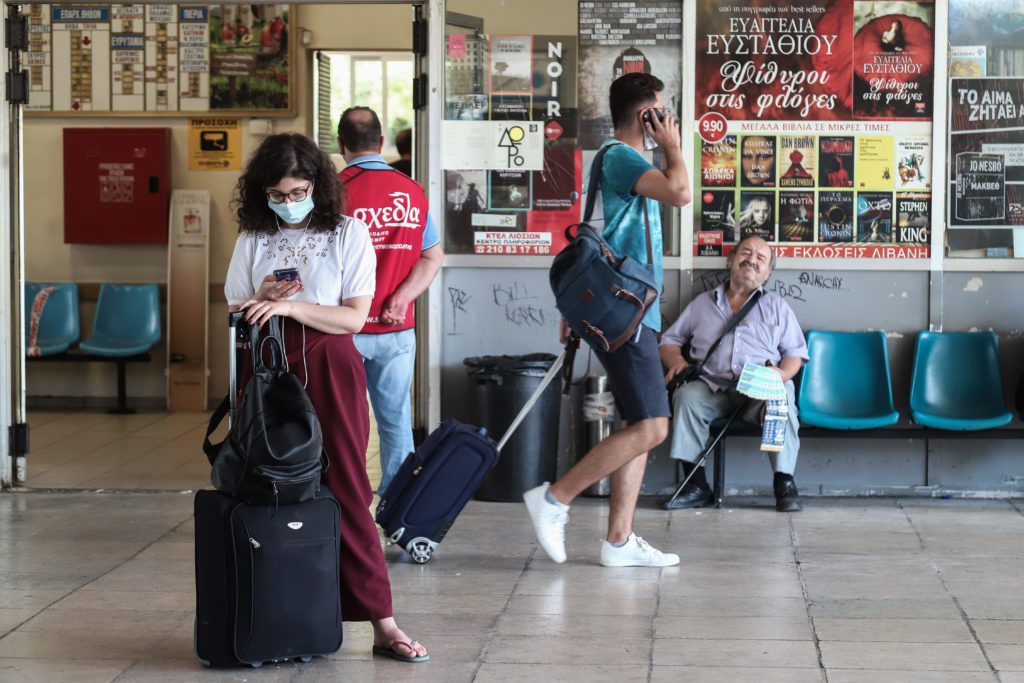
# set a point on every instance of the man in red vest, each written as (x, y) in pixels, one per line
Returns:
(408, 249)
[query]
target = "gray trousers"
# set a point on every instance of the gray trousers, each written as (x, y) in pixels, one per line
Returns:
(696, 406)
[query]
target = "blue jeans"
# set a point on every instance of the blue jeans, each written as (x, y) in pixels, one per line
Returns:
(697, 406)
(389, 360)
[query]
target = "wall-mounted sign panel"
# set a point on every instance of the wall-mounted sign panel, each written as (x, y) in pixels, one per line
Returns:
(168, 58)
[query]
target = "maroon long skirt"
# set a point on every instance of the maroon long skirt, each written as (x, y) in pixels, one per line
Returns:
(337, 388)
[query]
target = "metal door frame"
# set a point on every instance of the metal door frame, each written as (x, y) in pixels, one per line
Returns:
(12, 232)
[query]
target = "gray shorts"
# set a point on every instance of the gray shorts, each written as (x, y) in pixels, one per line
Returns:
(638, 382)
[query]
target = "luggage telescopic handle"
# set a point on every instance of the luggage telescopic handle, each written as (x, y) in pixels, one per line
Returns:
(235, 320)
(550, 375)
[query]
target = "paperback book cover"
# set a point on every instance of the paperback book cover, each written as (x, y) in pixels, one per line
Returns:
(913, 162)
(835, 161)
(913, 218)
(718, 163)
(796, 216)
(893, 57)
(875, 169)
(797, 161)
(874, 217)
(757, 161)
(835, 216)
(757, 215)
(718, 212)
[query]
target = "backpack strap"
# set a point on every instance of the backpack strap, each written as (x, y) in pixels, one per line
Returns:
(594, 185)
(595, 181)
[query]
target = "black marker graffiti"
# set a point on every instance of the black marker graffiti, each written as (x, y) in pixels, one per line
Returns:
(458, 300)
(515, 300)
(708, 281)
(830, 282)
(787, 291)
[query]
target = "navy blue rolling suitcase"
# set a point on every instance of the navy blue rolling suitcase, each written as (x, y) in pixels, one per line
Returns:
(433, 484)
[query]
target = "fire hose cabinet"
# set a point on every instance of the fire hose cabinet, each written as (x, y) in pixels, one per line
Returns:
(117, 185)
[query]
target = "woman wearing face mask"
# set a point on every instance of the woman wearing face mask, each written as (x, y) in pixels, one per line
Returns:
(289, 209)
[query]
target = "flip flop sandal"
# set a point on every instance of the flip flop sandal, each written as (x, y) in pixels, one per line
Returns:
(388, 651)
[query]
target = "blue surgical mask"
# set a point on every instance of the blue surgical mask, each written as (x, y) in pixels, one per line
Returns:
(293, 212)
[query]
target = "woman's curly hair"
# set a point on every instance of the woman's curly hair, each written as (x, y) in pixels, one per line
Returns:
(287, 155)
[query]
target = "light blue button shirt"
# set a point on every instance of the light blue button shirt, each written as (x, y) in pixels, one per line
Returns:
(769, 332)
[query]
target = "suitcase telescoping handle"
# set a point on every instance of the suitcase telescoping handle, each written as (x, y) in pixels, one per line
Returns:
(550, 375)
(237, 334)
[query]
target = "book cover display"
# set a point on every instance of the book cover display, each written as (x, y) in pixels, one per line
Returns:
(829, 103)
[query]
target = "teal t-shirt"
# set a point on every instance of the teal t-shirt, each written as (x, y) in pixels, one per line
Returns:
(624, 214)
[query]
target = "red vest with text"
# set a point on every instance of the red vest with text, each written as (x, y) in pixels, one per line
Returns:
(394, 207)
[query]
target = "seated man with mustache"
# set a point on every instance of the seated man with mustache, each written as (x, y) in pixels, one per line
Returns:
(769, 333)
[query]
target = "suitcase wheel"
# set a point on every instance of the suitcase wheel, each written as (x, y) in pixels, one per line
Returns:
(306, 660)
(255, 665)
(421, 549)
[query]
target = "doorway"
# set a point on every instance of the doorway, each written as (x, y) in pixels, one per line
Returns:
(77, 444)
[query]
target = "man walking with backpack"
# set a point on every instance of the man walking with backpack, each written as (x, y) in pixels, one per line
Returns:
(409, 255)
(631, 189)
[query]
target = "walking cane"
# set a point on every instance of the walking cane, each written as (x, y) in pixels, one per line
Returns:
(704, 454)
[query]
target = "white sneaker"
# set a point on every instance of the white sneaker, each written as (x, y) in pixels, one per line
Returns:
(549, 520)
(635, 553)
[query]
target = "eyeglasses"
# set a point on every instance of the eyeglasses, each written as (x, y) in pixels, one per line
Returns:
(296, 195)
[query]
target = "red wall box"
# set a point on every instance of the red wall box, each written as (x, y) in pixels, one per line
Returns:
(117, 185)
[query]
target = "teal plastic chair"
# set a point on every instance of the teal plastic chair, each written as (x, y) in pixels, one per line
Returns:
(58, 322)
(127, 321)
(846, 383)
(956, 383)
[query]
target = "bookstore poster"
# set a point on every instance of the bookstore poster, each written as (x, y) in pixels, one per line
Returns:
(986, 153)
(814, 127)
(496, 82)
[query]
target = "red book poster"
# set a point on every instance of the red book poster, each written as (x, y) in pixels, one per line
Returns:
(774, 60)
(797, 154)
(893, 50)
(835, 161)
(718, 163)
(709, 243)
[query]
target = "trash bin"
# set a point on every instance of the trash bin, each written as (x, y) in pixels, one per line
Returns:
(501, 385)
(598, 414)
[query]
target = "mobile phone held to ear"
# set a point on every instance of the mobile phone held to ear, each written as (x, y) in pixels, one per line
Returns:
(647, 119)
(286, 274)
(647, 115)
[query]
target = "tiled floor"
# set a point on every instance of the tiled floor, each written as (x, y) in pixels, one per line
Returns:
(98, 586)
(145, 451)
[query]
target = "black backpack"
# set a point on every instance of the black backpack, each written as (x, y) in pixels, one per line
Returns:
(273, 453)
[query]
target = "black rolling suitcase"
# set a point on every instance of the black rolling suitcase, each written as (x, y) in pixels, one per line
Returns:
(433, 484)
(267, 581)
